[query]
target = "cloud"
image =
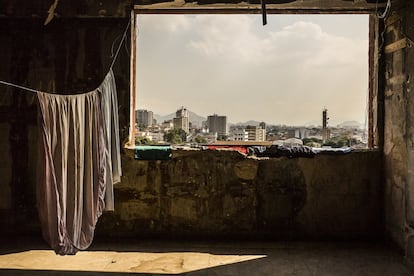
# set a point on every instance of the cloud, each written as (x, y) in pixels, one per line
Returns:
(229, 36)
(285, 72)
(236, 37)
(167, 24)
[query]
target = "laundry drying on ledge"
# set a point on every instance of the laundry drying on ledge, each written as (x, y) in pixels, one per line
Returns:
(276, 151)
(153, 152)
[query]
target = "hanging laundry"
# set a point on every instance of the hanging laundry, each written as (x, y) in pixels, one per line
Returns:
(109, 105)
(79, 161)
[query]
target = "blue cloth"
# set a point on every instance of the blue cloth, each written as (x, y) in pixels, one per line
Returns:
(153, 152)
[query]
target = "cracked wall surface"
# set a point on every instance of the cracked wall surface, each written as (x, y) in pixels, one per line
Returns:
(398, 126)
(224, 194)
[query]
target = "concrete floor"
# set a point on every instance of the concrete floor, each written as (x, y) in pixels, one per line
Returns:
(151, 257)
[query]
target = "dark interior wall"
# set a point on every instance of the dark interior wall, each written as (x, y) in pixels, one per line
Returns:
(70, 55)
(40, 8)
(398, 126)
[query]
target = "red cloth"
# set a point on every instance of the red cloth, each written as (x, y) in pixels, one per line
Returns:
(241, 149)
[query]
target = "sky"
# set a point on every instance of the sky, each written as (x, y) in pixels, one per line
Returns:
(285, 72)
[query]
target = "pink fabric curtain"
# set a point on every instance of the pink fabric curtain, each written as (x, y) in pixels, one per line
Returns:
(78, 164)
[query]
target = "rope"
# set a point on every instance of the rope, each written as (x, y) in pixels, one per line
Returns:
(112, 63)
(387, 9)
(120, 44)
(18, 86)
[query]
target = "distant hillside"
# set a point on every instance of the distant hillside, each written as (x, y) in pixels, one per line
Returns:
(346, 124)
(248, 123)
(195, 119)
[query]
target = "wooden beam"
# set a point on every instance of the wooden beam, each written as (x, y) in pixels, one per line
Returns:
(395, 17)
(398, 45)
(311, 6)
(133, 91)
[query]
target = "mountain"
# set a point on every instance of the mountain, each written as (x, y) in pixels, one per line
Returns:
(195, 119)
(248, 123)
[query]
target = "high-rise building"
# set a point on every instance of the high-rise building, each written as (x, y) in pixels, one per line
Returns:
(256, 133)
(217, 124)
(325, 131)
(182, 120)
(144, 117)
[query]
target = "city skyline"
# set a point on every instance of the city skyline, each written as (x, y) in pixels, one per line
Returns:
(315, 123)
(236, 53)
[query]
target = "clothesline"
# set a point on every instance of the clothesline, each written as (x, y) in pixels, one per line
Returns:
(120, 44)
(112, 63)
(18, 86)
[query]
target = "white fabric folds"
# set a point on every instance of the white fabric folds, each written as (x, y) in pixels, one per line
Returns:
(79, 161)
(109, 105)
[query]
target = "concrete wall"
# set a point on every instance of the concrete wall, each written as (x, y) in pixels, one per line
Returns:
(398, 126)
(224, 194)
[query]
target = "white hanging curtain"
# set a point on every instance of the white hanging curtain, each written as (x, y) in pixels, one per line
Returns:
(79, 162)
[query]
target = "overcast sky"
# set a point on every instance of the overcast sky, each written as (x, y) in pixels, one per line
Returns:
(283, 73)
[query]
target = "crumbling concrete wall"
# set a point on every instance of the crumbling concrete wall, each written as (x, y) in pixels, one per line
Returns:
(224, 194)
(398, 126)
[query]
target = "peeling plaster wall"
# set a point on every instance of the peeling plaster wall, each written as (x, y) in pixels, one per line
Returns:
(399, 128)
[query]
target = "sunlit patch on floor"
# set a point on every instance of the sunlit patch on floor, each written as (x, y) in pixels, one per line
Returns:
(110, 261)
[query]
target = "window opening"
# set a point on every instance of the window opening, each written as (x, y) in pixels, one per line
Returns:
(301, 79)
